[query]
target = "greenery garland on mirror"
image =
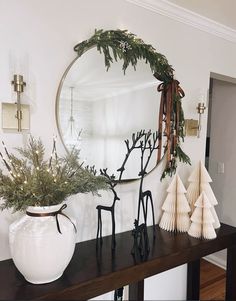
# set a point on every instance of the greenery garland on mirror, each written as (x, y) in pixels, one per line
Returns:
(125, 46)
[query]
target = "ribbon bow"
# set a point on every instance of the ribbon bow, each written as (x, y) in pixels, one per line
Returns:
(54, 213)
(169, 113)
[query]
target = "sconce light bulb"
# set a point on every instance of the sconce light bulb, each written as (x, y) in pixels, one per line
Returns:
(201, 108)
(18, 83)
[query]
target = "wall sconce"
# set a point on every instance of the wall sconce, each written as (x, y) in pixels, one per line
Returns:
(193, 127)
(16, 116)
(200, 109)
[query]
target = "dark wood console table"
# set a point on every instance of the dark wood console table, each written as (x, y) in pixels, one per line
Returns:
(92, 273)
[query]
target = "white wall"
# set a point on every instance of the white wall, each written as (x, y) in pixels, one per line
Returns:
(40, 35)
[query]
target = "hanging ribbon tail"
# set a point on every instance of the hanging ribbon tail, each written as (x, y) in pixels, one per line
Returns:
(70, 221)
(61, 213)
(58, 225)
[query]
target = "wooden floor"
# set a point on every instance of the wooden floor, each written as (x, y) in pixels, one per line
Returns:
(212, 282)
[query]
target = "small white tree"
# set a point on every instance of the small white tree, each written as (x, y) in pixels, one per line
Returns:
(202, 219)
(176, 208)
(199, 182)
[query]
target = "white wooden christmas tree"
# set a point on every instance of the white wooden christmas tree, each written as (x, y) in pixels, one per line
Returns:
(199, 182)
(202, 219)
(176, 208)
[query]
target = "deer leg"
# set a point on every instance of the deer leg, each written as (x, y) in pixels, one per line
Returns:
(144, 212)
(100, 221)
(153, 217)
(143, 207)
(141, 245)
(139, 204)
(113, 228)
(98, 226)
(146, 209)
(146, 241)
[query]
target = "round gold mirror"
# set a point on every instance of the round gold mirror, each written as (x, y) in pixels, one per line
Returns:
(97, 109)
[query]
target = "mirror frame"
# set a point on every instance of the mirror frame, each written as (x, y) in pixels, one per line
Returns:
(125, 46)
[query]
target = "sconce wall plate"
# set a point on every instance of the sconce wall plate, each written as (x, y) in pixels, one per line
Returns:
(9, 119)
(191, 127)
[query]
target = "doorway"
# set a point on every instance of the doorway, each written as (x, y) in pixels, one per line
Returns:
(220, 155)
(221, 145)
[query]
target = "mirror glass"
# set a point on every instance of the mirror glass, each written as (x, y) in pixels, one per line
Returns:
(98, 109)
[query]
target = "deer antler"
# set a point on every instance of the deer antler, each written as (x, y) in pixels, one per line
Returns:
(110, 181)
(149, 143)
(91, 169)
(130, 147)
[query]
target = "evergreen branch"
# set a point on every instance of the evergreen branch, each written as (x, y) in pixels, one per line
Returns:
(128, 48)
(172, 165)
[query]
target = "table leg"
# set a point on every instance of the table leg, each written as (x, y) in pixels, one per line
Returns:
(136, 291)
(231, 274)
(193, 280)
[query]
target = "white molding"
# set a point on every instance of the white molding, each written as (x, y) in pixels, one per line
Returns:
(216, 261)
(178, 13)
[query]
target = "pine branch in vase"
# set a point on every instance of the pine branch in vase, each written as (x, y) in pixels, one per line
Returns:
(30, 180)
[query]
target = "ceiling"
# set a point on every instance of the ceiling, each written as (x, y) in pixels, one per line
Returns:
(221, 11)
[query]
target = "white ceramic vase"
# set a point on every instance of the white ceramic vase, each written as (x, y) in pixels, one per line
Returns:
(40, 252)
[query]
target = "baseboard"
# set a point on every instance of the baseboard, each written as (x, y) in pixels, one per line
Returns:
(216, 261)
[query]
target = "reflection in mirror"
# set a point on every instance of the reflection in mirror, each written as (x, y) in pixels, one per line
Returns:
(99, 109)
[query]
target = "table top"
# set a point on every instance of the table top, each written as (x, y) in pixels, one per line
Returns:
(93, 272)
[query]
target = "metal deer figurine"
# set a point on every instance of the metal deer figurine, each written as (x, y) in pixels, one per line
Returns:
(112, 184)
(147, 145)
(146, 142)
